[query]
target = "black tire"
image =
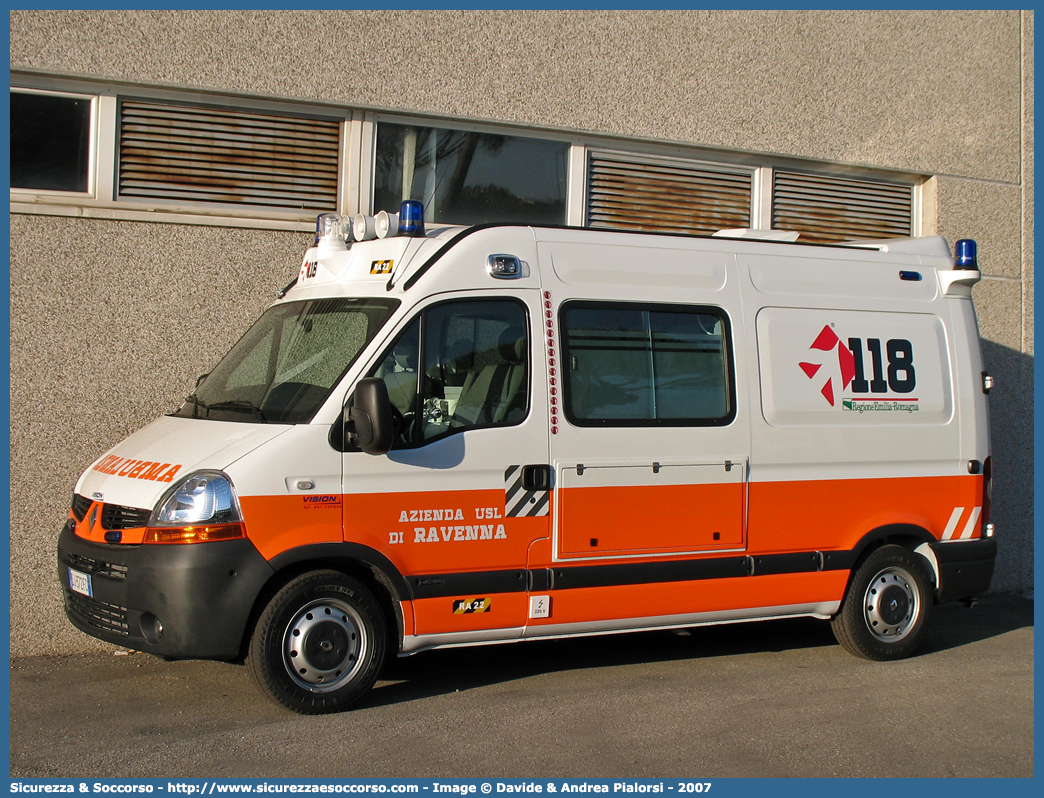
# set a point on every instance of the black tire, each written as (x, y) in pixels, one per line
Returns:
(885, 612)
(319, 644)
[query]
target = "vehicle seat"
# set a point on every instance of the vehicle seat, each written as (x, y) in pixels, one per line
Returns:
(496, 393)
(458, 363)
(402, 382)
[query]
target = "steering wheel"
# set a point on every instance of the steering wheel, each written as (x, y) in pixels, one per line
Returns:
(402, 425)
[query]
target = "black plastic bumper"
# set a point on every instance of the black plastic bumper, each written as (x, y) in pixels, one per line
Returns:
(965, 567)
(175, 601)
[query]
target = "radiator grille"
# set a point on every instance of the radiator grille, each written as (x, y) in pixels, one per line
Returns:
(115, 516)
(98, 614)
(80, 506)
(98, 567)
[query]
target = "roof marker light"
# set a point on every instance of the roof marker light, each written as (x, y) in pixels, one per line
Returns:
(761, 234)
(411, 218)
(965, 254)
(387, 224)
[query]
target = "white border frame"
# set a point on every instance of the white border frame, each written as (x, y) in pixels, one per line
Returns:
(93, 146)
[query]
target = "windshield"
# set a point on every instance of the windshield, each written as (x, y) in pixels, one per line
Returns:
(283, 369)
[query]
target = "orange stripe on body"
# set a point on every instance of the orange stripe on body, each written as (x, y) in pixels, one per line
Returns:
(801, 516)
(825, 515)
(278, 523)
(435, 615)
(372, 518)
(650, 519)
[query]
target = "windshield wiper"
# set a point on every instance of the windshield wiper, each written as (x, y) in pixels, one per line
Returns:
(196, 404)
(243, 405)
(239, 404)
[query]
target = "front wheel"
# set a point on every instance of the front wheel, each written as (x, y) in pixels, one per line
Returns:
(319, 644)
(886, 609)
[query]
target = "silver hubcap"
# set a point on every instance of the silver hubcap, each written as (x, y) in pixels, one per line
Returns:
(324, 645)
(890, 605)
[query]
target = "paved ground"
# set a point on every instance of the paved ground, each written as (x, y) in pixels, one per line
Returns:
(771, 699)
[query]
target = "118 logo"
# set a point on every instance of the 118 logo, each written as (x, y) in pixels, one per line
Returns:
(899, 376)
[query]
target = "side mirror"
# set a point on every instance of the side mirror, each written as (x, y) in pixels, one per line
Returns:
(368, 421)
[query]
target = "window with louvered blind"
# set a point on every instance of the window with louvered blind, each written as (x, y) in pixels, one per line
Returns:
(189, 155)
(826, 209)
(656, 194)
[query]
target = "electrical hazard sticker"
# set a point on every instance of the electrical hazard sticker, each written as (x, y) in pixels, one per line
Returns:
(467, 607)
(381, 267)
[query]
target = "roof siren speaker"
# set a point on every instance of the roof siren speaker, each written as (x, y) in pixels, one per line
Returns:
(387, 224)
(364, 227)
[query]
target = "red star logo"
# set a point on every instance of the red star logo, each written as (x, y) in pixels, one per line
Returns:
(827, 341)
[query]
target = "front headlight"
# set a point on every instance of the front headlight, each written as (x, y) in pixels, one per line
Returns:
(202, 507)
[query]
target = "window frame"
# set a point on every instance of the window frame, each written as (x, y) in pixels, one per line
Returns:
(18, 193)
(369, 137)
(652, 307)
(102, 202)
(202, 107)
(422, 377)
(877, 211)
(691, 163)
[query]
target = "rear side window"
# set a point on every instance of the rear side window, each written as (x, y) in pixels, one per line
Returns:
(854, 368)
(645, 365)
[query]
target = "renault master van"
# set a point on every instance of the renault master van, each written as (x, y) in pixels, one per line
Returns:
(503, 433)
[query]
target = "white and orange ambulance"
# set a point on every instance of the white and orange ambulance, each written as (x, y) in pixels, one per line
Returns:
(502, 433)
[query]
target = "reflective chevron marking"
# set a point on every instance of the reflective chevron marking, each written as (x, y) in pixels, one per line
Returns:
(521, 503)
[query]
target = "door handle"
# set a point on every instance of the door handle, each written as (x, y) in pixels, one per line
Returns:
(536, 477)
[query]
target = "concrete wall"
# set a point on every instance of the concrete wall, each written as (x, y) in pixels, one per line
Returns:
(112, 321)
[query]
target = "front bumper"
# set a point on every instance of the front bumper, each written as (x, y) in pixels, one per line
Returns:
(965, 567)
(175, 601)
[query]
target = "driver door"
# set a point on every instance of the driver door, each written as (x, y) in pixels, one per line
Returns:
(447, 505)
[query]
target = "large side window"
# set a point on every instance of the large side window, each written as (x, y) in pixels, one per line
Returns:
(643, 365)
(466, 177)
(460, 365)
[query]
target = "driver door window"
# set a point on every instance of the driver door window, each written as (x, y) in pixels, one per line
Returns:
(475, 357)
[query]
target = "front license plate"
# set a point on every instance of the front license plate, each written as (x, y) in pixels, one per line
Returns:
(80, 583)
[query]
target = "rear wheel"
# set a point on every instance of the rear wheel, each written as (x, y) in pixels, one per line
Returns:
(886, 609)
(319, 643)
